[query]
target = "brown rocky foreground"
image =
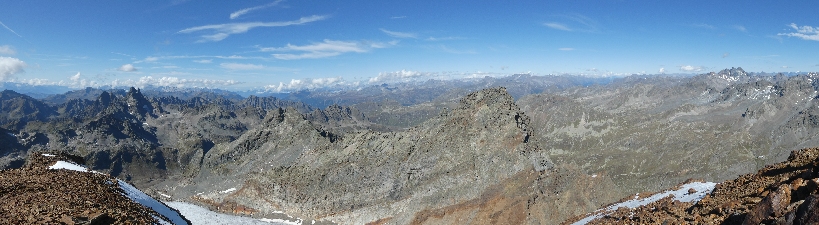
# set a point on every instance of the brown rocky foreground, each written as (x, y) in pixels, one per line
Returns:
(36, 194)
(782, 193)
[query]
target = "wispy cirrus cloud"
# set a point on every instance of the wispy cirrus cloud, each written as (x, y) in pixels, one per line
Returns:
(557, 26)
(397, 34)
(741, 28)
(804, 32)
(566, 49)
(122, 54)
(241, 66)
(456, 51)
(444, 38)
(327, 48)
(241, 12)
(7, 50)
(574, 22)
(222, 31)
(7, 28)
(204, 58)
(703, 26)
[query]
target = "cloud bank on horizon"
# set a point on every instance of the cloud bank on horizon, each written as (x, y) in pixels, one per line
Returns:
(282, 45)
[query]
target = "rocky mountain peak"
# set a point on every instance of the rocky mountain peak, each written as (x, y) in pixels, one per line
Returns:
(733, 72)
(138, 104)
(488, 97)
(493, 107)
(105, 98)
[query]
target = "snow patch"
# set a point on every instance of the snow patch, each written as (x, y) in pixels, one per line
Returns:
(67, 166)
(681, 194)
(281, 221)
(48, 155)
(228, 191)
(138, 196)
(201, 215)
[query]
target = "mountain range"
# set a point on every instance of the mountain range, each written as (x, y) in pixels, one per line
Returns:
(516, 149)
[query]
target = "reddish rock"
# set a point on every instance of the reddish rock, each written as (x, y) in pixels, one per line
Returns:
(774, 205)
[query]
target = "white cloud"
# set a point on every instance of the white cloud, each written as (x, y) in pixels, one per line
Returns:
(397, 34)
(7, 50)
(10, 66)
(149, 81)
(324, 49)
(566, 49)
(725, 55)
(307, 83)
(689, 68)
(241, 66)
(36, 82)
(127, 68)
(241, 12)
(203, 61)
(740, 28)
(662, 70)
(222, 31)
(398, 17)
(557, 26)
(76, 81)
(399, 75)
(805, 32)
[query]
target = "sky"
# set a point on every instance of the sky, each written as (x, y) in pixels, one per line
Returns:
(281, 45)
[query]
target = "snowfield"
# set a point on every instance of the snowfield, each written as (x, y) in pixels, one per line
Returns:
(681, 194)
(200, 215)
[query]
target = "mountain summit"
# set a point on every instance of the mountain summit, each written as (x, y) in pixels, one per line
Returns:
(56, 189)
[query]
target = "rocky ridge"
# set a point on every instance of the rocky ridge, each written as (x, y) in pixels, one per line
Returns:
(475, 158)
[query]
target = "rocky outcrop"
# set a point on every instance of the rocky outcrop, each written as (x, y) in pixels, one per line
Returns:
(37, 194)
(782, 193)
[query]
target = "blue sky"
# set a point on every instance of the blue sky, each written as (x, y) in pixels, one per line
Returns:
(287, 45)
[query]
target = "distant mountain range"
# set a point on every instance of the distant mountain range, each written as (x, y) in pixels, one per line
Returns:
(517, 149)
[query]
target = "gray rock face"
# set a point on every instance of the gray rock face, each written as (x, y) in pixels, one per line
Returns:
(290, 165)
